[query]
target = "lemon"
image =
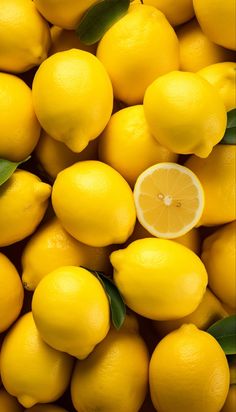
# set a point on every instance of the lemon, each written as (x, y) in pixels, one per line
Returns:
(72, 96)
(136, 50)
(230, 403)
(185, 113)
(8, 403)
(71, 310)
(94, 203)
(217, 176)
(55, 156)
(127, 145)
(159, 279)
(116, 374)
(30, 369)
(11, 293)
(23, 202)
(67, 39)
(177, 12)
(197, 365)
(223, 77)
(219, 257)
(169, 200)
(24, 36)
(197, 50)
(46, 408)
(217, 19)
(52, 247)
(20, 129)
(208, 311)
(64, 13)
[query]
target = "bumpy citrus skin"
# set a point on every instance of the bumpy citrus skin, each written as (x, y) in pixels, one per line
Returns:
(46, 408)
(116, 373)
(176, 12)
(52, 247)
(217, 176)
(24, 36)
(217, 19)
(136, 50)
(23, 202)
(197, 50)
(194, 360)
(71, 310)
(94, 203)
(198, 116)
(31, 370)
(223, 77)
(63, 13)
(73, 98)
(8, 403)
(219, 257)
(20, 128)
(11, 293)
(159, 279)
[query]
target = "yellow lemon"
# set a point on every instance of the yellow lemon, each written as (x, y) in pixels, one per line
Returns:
(128, 146)
(136, 50)
(197, 50)
(223, 77)
(185, 113)
(159, 279)
(94, 203)
(55, 156)
(67, 39)
(219, 257)
(52, 247)
(46, 408)
(230, 403)
(196, 363)
(23, 202)
(63, 13)
(217, 19)
(191, 239)
(217, 176)
(71, 310)
(11, 293)
(169, 200)
(116, 374)
(209, 311)
(20, 128)
(31, 370)
(177, 12)
(8, 403)
(24, 36)
(72, 96)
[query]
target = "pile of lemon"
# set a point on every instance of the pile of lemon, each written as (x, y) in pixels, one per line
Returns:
(128, 175)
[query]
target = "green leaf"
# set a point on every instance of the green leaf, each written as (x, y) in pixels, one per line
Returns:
(230, 132)
(224, 331)
(99, 18)
(117, 306)
(7, 168)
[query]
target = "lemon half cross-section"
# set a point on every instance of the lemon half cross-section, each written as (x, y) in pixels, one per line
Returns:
(169, 200)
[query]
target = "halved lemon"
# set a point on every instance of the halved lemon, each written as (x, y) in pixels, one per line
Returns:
(169, 200)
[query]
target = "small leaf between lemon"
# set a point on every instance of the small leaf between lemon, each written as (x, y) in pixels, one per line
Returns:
(224, 331)
(230, 132)
(7, 168)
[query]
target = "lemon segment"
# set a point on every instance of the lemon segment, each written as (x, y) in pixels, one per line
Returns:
(169, 200)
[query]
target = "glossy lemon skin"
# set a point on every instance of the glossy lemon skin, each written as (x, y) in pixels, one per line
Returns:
(72, 97)
(94, 203)
(132, 52)
(176, 12)
(23, 202)
(71, 310)
(198, 116)
(24, 36)
(20, 128)
(31, 370)
(195, 361)
(219, 257)
(159, 279)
